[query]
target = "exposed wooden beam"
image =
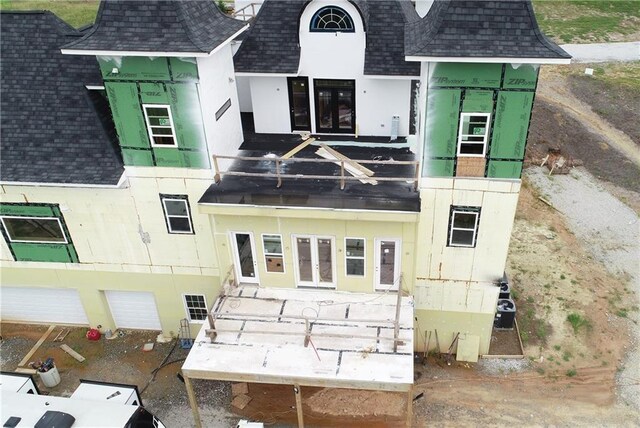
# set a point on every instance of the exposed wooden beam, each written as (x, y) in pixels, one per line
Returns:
(298, 148)
(192, 400)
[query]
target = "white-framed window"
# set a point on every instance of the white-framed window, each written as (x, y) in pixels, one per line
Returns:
(354, 256)
(160, 125)
(34, 230)
(177, 213)
(473, 134)
(196, 307)
(331, 19)
(273, 254)
(463, 226)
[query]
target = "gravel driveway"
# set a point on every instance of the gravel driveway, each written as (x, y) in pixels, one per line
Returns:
(611, 231)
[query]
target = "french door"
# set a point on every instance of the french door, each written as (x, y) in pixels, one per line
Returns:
(387, 264)
(335, 106)
(315, 261)
(299, 103)
(244, 255)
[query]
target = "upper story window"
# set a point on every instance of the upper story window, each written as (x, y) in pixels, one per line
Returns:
(463, 226)
(177, 213)
(473, 134)
(160, 125)
(39, 230)
(331, 19)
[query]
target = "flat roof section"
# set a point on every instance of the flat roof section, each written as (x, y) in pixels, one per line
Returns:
(323, 192)
(261, 337)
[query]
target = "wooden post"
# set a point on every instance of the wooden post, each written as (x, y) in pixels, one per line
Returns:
(212, 325)
(396, 327)
(278, 173)
(298, 393)
(216, 177)
(192, 401)
(307, 336)
(410, 407)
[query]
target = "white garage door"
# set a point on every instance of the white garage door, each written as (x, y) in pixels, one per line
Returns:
(134, 309)
(45, 305)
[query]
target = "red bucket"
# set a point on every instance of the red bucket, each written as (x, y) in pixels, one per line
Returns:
(93, 334)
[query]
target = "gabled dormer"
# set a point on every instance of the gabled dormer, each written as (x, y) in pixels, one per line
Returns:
(168, 73)
(480, 65)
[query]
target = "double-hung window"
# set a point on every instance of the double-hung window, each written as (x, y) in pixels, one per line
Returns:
(160, 125)
(196, 306)
(274, 257)
(463, 226)
(473, 134)
(354, 256)
(177, 213)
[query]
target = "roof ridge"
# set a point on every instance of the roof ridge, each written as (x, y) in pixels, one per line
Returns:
(95, 27)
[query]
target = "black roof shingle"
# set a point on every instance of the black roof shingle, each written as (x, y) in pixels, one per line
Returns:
(186, 26)
(272, 43)
(53, 130)
(480, 29)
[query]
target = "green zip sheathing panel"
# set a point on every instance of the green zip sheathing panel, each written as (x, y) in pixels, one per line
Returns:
(126, 100)
(509, 135)
(439, 167)
(463, 75)
(477, 101)
(134, 68)
(183, 69)
(127, 114)
(36, 252)
(503, 90)
(443, 112)
(524, 76)
(137, 157)
(504, 169)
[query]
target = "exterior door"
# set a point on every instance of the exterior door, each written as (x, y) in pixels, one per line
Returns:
(335, 106)
(299, 103)
(244, 254)
(315, 261)
(387, 264)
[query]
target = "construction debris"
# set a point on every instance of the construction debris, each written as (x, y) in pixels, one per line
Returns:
(61, 335)
(558, 163)
(354, 168)
(241, 401)
(73, 353)
(239, 388)
(147, 347)
(298, 148)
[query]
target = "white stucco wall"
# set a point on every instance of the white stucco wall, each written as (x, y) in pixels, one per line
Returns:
(270, 99)
(243, 84)
(217, 85)
(333, 56)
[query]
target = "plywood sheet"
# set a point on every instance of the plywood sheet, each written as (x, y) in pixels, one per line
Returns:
(470, 167)
(468, 346)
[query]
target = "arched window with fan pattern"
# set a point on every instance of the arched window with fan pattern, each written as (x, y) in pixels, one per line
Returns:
(331, 19)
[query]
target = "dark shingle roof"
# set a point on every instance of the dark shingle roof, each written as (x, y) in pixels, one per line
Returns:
(53, 130)
(475, 28)
(272, 44)
(384, 54)
(189, 26)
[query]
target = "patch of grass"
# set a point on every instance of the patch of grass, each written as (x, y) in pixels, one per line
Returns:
(566, 355)
(571, 372)
(75, 12)
(551, 358)
(540, 370)
(556, 347)
(562, 276)
(622, 313)
(534, 330)
(577, 321)
(573, 21)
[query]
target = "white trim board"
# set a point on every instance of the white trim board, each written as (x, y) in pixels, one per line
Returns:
(488, 60)
(120, 184)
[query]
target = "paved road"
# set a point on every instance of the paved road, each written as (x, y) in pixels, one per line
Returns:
(603, 52)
